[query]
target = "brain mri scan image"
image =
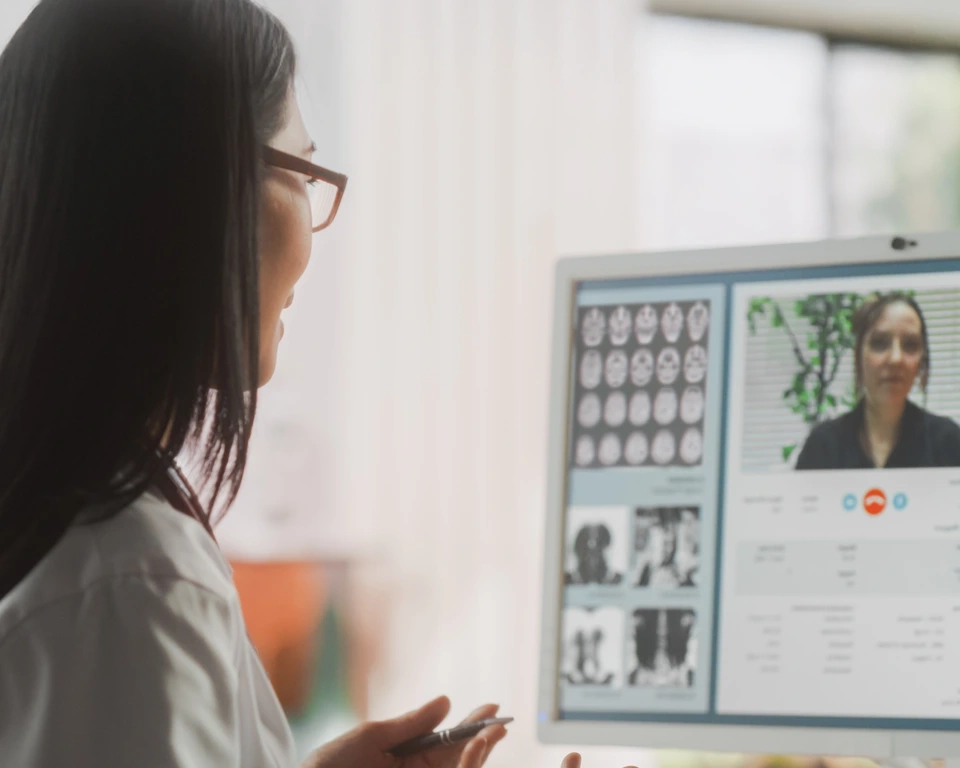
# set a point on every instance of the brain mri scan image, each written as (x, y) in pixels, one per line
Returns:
(691, 405)
(615, 409)
(594, 327)
(589, 412)
(591, 369)
(616, 368)
(637, 449)
(621, 323)
(668, 365)
(610, 451)
(640, 408)
(665, 407)
(586, 451)
(646, 324)
(641, 367)
(695, 364)
(664, 447)
(691, 446)
(672, 323)
(698, 318)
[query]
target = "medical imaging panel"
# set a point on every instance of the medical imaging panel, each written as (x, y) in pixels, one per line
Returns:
(593, 645)
(662, 648)
(640, 385)
(666, 548)
(597, 547)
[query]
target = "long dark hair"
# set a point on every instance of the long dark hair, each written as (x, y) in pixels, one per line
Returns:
(129, 194)
(869, 314)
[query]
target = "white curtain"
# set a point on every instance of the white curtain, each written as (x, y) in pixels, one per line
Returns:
(483, 138)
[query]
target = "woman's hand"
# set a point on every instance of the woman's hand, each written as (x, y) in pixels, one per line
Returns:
(573, 761)
(366, 746)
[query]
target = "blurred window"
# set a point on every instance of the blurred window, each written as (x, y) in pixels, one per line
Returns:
(759, 134)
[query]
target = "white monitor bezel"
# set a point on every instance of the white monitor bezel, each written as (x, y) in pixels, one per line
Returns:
(875, 743)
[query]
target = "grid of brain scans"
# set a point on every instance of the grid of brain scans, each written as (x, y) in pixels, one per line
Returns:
(641, 374)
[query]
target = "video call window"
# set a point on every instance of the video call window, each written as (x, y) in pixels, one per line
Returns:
(852, 380)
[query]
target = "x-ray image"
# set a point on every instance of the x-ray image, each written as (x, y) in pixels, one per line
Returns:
(672, 323)
(610, 449)
(615, 409)
(637, 449)
(588, 414)
(666, 547)
(586, 451)
(691, 405)
(646, 324)
(668, 365)
(698, 318)
(592, 652)
(695, 364)
(621, 324)
(640, 408)
(640, 385)
(641, 367)
(597, 547)
(591, 369)
(691, 446)
(593, 327)
(616, 368)
(664, 447)
(662, 648)
(665, 407)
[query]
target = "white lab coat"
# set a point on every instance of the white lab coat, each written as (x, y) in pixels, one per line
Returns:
(126, 646)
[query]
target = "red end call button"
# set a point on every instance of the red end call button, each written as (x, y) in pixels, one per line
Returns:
(875, 501)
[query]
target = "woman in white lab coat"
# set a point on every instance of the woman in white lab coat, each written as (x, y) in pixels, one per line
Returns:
(157, 206)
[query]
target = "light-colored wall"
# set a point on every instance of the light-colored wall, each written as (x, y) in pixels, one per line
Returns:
(12, 14)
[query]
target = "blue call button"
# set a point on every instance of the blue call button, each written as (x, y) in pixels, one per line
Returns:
(849, 502)
(900, 501)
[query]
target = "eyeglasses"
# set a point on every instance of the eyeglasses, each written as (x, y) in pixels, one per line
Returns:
(325, 187)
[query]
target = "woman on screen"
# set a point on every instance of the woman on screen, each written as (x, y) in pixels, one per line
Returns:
(885, 429)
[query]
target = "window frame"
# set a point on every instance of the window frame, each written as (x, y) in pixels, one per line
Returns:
(832, 42)
(874, 23)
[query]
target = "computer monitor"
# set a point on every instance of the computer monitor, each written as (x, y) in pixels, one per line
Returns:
(726, 568)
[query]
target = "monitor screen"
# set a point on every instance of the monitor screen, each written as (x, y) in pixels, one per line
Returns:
(761, 499)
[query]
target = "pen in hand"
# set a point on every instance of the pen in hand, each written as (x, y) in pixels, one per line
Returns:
(450, 736)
